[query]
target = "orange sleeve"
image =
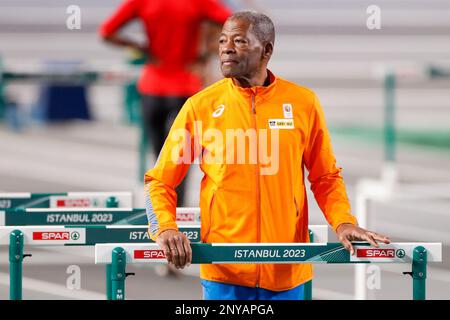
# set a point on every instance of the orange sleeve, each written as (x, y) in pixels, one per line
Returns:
(326, 181)
(170, 169)
(127, 11)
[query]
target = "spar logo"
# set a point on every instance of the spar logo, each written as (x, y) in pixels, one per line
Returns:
(375, 253)
(56, 235)
(149, 254)
(400, 253)
(75, 235)
(185, 216)
(73, 203)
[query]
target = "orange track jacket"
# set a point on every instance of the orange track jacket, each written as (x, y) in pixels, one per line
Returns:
(253, 145)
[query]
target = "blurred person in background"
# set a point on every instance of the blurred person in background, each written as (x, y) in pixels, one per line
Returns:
(175, 64)
(248, 202)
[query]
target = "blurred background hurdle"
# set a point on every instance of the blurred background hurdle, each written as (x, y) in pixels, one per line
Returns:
(11, 201)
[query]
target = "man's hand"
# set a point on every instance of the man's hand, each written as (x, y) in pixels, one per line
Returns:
(176, 247)
(347, 232)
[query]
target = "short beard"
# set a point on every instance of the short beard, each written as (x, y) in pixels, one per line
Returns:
(227, 73)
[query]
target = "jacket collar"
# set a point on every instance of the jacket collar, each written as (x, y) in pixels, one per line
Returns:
(259, 92)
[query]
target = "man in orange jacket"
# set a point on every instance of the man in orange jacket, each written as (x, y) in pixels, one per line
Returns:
(254, 134)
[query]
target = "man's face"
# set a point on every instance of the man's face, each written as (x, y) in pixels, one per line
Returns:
(240, 50)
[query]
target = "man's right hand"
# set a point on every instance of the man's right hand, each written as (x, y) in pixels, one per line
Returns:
(177, 248)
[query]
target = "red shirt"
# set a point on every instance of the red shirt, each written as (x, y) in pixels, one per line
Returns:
(173, 29)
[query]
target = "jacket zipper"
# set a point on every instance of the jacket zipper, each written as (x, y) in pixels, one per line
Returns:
(258, 191)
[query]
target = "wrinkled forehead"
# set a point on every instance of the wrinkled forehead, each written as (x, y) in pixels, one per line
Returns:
(236, 26)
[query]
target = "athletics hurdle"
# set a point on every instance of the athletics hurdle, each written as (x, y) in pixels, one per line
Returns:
(417, 254)
(84, 217)
(17, 237)
(22, 200)
(119, 74)
(38, 226)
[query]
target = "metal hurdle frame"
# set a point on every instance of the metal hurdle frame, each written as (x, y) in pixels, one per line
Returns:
(17, 237)
(417, 254)
(23, 200)
(75, 217)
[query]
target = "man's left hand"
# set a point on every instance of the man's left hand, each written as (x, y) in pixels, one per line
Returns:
(347, 232)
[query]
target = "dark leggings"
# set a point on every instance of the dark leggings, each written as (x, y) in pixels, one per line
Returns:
(158, 114)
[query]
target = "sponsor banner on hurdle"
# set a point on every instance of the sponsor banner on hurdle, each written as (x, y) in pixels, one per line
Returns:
(185, 215)
(138, 234)
(91, 200)
(266, 253)
(133, 234)
(73, 216)
(10, 201)
(39, 236)
(391, 253)
(91, 216)
(188, 215)
(90, 235)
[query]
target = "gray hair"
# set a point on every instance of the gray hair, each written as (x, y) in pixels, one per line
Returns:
(262, 25)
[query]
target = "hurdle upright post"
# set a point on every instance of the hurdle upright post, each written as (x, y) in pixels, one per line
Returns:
(143, 146)
(111, 202)
(389, 117)
(118, 275)
(15, 264)
(308, 285)
(419, 273)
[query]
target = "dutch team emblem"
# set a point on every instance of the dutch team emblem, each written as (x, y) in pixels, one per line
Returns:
(287, 110)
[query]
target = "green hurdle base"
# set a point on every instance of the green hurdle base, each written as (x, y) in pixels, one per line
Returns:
(16, 257)
(118, 274)
(419, 273)
(15, 264)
